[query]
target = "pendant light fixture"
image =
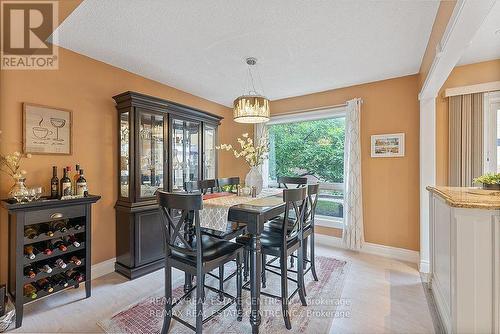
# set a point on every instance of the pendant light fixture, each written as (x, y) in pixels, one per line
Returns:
(251, 107)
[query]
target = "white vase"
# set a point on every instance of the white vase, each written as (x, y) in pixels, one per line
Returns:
(254, 179)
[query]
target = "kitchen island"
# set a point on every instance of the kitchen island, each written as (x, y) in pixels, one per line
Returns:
(464, 258)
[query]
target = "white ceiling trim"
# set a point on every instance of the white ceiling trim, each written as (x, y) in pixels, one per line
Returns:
(465, 21)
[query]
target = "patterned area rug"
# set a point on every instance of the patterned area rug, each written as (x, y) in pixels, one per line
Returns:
(323, 299)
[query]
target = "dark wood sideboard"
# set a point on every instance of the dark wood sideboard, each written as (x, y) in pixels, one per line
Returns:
(162, 145)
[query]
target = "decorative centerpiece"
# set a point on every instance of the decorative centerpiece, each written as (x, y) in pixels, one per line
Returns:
(254, 155)
(490, 181)
(10, 164)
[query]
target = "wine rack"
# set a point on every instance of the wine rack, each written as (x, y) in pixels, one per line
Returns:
(75, 217)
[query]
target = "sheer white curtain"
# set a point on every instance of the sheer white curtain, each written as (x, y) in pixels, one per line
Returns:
(353, 205)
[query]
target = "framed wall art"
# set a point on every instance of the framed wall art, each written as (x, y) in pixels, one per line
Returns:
(388, 145)
(46, 130)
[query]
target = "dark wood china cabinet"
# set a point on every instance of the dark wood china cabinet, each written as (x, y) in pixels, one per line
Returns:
(162, 145)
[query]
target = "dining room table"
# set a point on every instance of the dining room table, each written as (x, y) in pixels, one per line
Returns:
(221, 208)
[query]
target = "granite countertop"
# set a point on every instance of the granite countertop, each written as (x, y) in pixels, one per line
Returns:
(462, 197)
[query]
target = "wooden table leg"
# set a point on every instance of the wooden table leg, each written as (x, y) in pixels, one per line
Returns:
(255, 278)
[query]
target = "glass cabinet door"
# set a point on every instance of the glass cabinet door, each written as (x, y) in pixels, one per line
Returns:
(209, 153)
(150, 154)
(185, 153)
(124, 154)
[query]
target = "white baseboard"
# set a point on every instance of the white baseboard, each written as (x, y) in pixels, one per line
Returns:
(392, 252)
(376, 249)
(103, 268)
(424, 267)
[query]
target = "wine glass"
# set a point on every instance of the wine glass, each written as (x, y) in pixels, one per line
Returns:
(30, 195)
(19, 196)
(38, 192)
(58, 123)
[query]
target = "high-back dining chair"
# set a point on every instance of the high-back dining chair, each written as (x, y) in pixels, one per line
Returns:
(193, 253)
(287, 181)
(203, 186)
(282, 244)
(231, 182)
(233, 229)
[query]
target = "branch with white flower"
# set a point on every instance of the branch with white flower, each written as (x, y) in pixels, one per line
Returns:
(253, 154)
(10, 164)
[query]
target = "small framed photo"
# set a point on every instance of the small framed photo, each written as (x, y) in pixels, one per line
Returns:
(46, 130)
(388, 145)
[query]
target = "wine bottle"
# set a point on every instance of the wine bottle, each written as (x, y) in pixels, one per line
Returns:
(58, 243)
(58, 225)
(47, 249)
(30, 272)
(46, 269)
(31, 231)
(76, 260)
(71, 239)
(60, 263)
(66, 183)
(44, 284)
(54, 184)
(75, 225)
(81, 184)
(75, 275)
(59, 280)
(30, 291)
(29, 251)
(74, 179)
(48, 231)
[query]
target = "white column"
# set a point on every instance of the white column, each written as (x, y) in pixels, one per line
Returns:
(427, 173)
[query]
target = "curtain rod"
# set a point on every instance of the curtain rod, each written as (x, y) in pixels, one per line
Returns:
(298, 111)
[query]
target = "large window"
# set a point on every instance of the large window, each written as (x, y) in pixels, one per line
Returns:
(311, 148)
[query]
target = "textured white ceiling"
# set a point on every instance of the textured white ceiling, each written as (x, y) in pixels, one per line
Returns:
(486, 43)
(302, 46)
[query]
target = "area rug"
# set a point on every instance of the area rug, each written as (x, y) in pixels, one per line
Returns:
(324, 303)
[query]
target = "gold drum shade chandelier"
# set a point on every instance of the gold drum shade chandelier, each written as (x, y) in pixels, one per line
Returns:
(251, 107)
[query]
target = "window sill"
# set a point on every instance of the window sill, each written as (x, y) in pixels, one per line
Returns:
(329, 222)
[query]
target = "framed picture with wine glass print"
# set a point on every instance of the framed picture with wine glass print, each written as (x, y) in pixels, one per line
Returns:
(46, 130)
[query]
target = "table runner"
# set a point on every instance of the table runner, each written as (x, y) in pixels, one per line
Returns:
(215, 210)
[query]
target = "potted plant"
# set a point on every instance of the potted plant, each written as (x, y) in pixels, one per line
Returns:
(254, 155)
(490, 181)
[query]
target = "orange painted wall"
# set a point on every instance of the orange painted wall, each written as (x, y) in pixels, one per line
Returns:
(390, 185)
(86, 87)
(460, 76)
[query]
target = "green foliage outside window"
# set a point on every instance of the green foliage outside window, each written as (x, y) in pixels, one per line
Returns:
(308, 148)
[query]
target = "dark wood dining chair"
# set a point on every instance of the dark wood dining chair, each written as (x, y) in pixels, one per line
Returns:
(188, 250)
(281, 244)
(233, 229)
(203, 186)
(230, 182)
(287, 181)
(309, 216)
